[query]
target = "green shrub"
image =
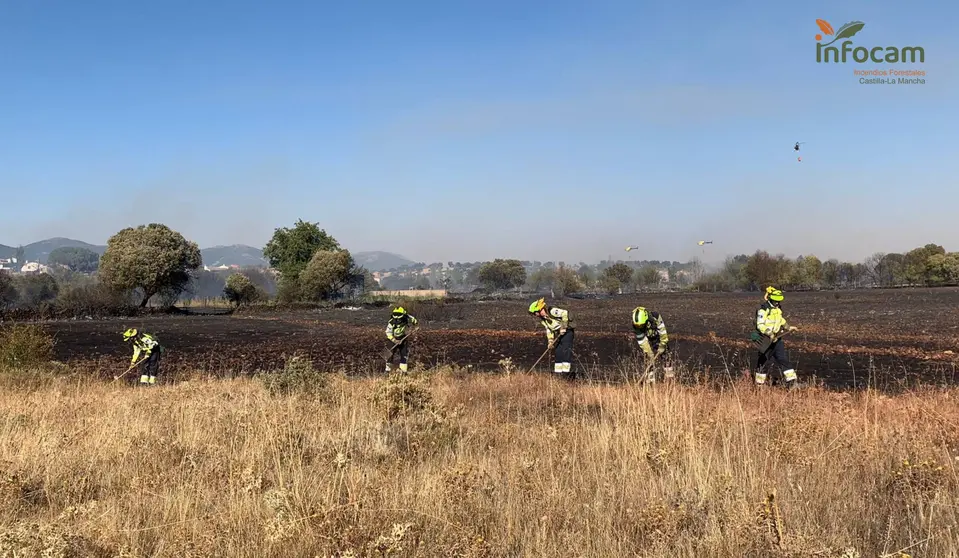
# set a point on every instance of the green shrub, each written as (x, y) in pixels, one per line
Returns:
(23, 345)
(298, 376)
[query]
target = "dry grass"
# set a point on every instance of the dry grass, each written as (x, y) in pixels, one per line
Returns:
(454, 465)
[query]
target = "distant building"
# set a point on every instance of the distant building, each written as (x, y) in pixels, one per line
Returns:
(32, 268)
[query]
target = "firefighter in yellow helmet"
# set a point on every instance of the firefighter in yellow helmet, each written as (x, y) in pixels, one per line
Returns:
(397, 332)
(559, 333)
(649, 331)
(149, 347)
(770, 327)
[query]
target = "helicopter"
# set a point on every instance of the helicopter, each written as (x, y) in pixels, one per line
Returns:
(796, 149)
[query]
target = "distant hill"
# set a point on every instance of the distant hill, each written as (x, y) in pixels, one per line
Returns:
(38, 251)
(237, 254)
(380, 261)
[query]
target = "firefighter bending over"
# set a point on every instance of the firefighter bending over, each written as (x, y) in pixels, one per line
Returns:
(149, 346)
(649, 330)
(559, 333)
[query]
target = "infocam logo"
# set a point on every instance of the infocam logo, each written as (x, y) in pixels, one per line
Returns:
(860, 54)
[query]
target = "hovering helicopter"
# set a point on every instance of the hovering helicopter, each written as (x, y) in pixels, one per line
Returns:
(796, 149)
(702, 242)
(628, 248)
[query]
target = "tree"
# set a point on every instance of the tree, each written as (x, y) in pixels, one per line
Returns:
(8, 292)
(943, 269)
(565, 281)
(541, 279)
(37, 289)
(327, 272)
(291, 250)
(502, 274)
(647, 276)
(609, 284)
(831, 272)
(75, 258)
(621, 272)
(240, 290)
(915, 269)
(806, 272)
(153, 258)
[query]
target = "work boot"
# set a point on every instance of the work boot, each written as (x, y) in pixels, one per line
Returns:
(153, 380)
(144, 379)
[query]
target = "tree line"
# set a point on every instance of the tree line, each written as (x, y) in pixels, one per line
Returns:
(154, 263)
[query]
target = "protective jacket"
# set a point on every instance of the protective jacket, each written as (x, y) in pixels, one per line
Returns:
(396, 328)
(145, 344)
(556, 319)
(654, 329)
(769, 320)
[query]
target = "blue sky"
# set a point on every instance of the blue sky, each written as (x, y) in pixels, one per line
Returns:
(473, 130)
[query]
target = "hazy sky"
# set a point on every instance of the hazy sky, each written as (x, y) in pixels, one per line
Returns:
(473, 130)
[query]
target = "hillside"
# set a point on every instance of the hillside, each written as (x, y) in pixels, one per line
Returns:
(38, 251)
(236, 254)
(380, 261)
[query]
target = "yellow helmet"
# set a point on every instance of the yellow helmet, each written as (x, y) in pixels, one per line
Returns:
(399, 312)
(537, 306)
(775, 294)
(640, 316)
(130, 334)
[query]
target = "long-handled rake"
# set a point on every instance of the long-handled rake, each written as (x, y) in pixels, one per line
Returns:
(388, 353)
(548, 349)
(115, 378)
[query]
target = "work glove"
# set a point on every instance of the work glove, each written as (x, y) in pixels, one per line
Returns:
(660, 350)
(792, 328)
(562, 331)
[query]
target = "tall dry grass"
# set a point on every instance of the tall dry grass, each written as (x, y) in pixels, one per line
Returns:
(456, 465)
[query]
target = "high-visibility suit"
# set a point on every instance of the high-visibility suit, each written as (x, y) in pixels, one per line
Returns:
(147, 346)
(396, 334)
(650, 333)
(770, 325)
(559, 331)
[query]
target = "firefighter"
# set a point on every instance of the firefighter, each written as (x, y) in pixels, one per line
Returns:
(649, 331)
(149, 347)
(559, 333)
(770, 327)
(398, 336)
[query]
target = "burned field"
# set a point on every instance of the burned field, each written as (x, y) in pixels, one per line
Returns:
(884, 338)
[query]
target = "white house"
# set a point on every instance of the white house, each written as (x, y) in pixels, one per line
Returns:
(34, 267)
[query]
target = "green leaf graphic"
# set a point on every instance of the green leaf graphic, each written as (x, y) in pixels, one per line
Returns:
(847, 31)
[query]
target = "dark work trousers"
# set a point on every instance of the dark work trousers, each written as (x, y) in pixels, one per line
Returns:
(403, 349)
(777, 354)
(564, 355)
(153, 363)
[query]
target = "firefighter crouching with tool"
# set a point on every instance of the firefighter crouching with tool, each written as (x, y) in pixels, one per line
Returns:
(649, 331)
(149, 346)
(770, 327)
(559, 334)
(397, 333)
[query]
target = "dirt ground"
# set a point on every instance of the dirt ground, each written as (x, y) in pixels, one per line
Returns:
(876, 337)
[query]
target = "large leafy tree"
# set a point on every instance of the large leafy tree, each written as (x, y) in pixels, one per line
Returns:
(77, 259)
(326, 274)
(291, 249)
(151, 257)
(502, 274)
